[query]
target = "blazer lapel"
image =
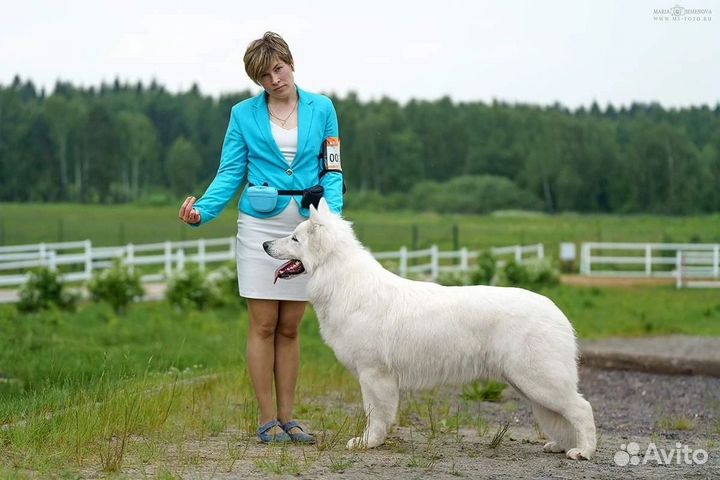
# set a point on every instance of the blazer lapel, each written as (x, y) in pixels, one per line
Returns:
(306, 113)
(262, 118)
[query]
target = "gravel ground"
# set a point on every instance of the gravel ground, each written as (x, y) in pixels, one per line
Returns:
(629, 407)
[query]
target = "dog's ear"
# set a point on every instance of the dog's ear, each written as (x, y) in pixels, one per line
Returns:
(315, 214)
(323, 208)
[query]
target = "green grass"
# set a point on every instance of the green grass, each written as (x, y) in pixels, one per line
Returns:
(51, 355)
(676, 422)
(484, 391)
(116, 225)
(93, 390)
(639, 310)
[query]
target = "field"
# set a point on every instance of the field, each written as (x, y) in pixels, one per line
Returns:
(163, 393)
(117, 225)
(90, 392)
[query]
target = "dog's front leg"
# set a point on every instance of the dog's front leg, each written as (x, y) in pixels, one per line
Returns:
(380, 399)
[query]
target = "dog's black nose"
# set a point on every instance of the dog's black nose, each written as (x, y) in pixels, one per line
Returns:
(266, 245)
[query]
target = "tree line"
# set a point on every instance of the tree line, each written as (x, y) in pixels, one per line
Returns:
(124, 142)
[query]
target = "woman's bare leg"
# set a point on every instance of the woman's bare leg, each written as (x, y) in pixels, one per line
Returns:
(287, 356)
(261, 353)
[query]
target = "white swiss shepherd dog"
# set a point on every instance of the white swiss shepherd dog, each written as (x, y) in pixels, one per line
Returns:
(395, 334)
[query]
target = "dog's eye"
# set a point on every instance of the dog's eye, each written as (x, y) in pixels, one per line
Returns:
(294, 238)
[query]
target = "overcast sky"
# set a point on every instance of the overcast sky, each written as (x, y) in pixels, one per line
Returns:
(536, 52)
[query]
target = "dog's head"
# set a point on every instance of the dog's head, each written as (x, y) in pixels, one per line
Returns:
(315, 241)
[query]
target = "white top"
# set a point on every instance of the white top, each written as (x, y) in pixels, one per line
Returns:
(286, 141)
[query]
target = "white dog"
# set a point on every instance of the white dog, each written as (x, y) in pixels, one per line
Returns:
(396, 334)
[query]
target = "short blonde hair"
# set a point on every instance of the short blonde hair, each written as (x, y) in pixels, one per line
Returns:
(261, 53)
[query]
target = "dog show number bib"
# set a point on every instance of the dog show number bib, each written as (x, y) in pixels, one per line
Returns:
(332, 154)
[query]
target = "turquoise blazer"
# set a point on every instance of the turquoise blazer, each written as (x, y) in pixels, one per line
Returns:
(250, 150)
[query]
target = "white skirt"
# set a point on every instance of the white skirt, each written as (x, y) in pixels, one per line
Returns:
(256, 269)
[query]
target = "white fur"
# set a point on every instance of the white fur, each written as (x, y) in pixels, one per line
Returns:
(396, 334)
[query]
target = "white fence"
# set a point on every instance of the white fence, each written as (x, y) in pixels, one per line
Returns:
(697, 261)
(78, 260)
(698, 268)
(436, 261)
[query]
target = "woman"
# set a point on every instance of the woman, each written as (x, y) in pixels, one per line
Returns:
(277, 140)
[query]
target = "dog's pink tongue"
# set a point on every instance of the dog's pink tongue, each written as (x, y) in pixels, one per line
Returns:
(289, 269)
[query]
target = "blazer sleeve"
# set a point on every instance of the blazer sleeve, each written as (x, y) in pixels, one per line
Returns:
(233, 166)
(333, 181)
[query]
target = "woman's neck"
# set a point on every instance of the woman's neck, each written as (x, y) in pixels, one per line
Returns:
(288, 101)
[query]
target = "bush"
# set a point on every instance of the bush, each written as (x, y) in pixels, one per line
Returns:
(423, 194)
(486, 268)
(191, 289)
(454, 279)
(473, 194)
(44, 290)
(364, 200)
(541, 272)
(515, 274)
(373, 200)
(532, 274)
(116, 286)
(226, 281)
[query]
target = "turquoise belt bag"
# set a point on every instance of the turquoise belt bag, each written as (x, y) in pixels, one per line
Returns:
(262, 198)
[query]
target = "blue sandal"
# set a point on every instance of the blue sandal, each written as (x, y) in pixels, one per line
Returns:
(301, 437)
(265, 437)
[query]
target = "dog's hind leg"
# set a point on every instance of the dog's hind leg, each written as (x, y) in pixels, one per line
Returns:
(559, 397)
(579, 413)
(381, 396)
(558, 431)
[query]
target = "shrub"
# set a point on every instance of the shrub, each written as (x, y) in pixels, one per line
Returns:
(486, 268)
(422, 196)
(473, 194)
(191, 289)
(226, 281)
(454, 279)
(44, 290)
(533, 273)
(116, 286)
(541, 272)
(375, 201)
(364, 200)
(515, 274)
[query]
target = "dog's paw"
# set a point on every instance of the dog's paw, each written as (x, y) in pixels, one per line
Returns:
(578, 454)
(553, 447)
(356, 443)
(363, 442)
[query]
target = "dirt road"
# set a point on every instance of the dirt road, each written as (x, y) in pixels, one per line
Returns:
(648, 426)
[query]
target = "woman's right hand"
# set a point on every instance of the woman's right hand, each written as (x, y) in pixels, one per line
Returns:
(187, 213)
